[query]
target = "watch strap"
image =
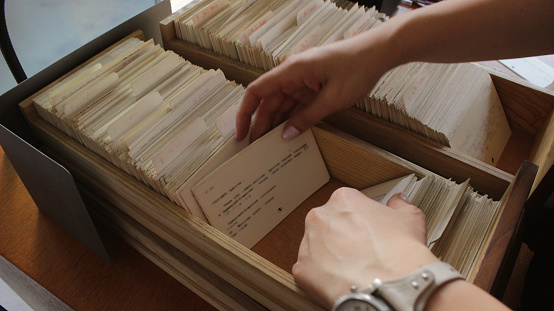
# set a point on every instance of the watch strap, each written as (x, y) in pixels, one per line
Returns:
(412, 291)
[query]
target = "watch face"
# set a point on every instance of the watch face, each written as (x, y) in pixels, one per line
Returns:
(362, 302)
(357, 305)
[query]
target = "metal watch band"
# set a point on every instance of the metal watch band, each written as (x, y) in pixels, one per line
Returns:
(412, 291)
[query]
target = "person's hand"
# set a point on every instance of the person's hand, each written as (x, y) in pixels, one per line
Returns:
(306, 88)
(351, 240)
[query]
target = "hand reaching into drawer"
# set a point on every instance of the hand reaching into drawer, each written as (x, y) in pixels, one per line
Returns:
(352, 240)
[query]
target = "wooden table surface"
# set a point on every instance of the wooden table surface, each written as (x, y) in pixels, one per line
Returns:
(69, 270)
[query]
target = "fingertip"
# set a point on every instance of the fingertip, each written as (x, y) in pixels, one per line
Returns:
(313, 85)
(398, 200)
(238, 137)
(290, 132)
(242, 123)
(298, 123)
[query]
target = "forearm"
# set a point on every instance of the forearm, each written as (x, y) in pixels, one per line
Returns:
(462, 30)
(311, 85)
(460, 295)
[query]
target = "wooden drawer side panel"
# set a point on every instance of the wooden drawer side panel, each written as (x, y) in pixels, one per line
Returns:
(543, 152)
(360, 164)
(424, 152)
(188, 272)
(237, 265)
(527, 107)
(234, 70)
(498, 259)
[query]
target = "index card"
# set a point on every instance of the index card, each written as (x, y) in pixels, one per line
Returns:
(276, 19)
(531, 69)
(484, 131)
(245, 34)
(250, 194)
(276, 31)
(415, 88)
(140, 128)
(337, 32)
(134, 115)
(71, 86)
(306, 11)
(204, 83)
(384, 191)
(207, 12)
(226, 122)
(156, 73)
(79, 101)
(445, 212)
(308, 41)
(226, 152)
(178, 145)
(245, 4)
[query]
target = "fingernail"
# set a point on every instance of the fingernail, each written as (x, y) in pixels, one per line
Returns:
(402, 195)
(290, 133)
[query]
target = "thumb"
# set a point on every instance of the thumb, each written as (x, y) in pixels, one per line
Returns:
(398, 201)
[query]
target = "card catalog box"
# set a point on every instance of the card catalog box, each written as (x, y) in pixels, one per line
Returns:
(228, 274)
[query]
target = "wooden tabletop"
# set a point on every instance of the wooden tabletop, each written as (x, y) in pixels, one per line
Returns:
(74, 273)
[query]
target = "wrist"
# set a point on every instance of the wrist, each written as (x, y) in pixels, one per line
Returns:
(460, 296)
(443, 295)
(375, 51)
(408, 293)
(394, 263)
(404, 259)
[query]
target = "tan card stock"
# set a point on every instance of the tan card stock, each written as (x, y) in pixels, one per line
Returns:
(250, 194)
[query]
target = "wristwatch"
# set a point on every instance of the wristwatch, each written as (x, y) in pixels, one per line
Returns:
(403, 294)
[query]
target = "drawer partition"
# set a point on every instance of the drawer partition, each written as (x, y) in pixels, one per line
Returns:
(529, 110)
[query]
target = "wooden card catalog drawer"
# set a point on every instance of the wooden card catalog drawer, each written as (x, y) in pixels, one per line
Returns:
(231, 276)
